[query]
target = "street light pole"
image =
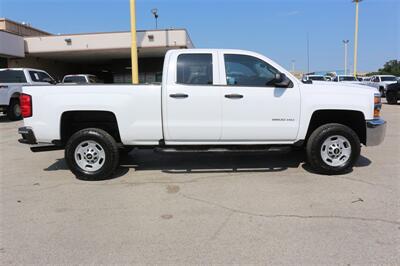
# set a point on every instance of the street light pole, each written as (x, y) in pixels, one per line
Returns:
(356, 39)
(134, 55)
(346, 42)
(308, 53)
(154, 11)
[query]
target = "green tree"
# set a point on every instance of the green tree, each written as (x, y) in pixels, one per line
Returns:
(391, 67)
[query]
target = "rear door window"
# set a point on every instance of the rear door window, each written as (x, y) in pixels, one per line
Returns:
(12, 76)
(195, 69)
(38, 76)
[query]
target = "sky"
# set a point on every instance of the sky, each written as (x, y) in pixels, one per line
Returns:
(276, 28)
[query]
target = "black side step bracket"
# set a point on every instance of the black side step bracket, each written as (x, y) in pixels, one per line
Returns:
(46, 148)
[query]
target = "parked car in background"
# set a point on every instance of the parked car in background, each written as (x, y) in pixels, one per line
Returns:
(346, 79)
(393, 93)
(80, 79)
(11, 82)
(381, 82)
(210, 100)
(314, 77)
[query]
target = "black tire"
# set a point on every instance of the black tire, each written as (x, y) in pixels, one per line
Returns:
(124, 151)
(315, 147)
(14, 110)
(382, 91)
(107, 144)
(391, 97)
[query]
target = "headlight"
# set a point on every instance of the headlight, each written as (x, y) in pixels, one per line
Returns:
(377, 106)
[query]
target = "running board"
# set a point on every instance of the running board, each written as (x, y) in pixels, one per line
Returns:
(221, 150)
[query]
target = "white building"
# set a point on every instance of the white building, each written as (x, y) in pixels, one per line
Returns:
(106, 55)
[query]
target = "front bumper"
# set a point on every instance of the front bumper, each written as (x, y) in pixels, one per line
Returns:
(28, 137)
(376, 130)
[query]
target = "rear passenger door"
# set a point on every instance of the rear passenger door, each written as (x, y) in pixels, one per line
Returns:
(193, 104)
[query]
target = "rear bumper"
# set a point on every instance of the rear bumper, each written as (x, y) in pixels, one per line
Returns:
(28, 137)
(376, 130)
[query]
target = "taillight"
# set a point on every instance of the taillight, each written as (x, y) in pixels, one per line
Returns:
(25, 101)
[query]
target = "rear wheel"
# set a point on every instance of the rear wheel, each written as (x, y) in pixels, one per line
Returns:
(92, 154)
(391, 97)
(14, 110)
(333, 149)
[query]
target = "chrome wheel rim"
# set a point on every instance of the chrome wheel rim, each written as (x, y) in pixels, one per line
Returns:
(336, 150)
(90, 155)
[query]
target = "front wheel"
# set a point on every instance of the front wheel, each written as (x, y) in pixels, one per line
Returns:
(333, 149)
(92, 154)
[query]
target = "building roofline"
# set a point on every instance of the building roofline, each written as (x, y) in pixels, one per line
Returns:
(108, 32)
(25, 26)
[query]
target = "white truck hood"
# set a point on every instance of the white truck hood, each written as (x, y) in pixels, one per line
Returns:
(340, 87)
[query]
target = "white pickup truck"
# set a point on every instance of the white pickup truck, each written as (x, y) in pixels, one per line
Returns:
(11, 82)
(209, 100)
(381, 82)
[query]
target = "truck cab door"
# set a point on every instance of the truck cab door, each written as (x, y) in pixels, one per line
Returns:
(191, 101)
(253, 108)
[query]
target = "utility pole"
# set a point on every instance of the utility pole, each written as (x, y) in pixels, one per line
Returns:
(346, 42)
(356, 39)
(293, 64)
(134, 55)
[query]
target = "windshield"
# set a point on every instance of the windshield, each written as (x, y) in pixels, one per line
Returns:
(347, 78)
(75, 79)
(316, 78)
(388, 78)
(12, 76)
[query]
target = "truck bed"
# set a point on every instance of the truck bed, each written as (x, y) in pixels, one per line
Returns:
(138, 106)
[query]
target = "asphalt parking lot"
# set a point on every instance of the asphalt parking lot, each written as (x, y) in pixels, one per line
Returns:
(201, 208)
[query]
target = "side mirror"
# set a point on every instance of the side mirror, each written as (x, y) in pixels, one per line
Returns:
(279, 77)
(282, 81)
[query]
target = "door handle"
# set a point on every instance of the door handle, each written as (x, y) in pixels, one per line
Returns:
(233, 96)
(179, 95)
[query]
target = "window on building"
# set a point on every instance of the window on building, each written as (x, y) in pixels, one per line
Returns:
(244, 70)
(12, 76)
(195, 69)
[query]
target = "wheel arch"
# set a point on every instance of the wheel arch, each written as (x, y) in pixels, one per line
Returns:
(15, 95)
(350, 118)
(73, 121)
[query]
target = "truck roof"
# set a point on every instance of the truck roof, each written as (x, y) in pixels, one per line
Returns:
(210, 50)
